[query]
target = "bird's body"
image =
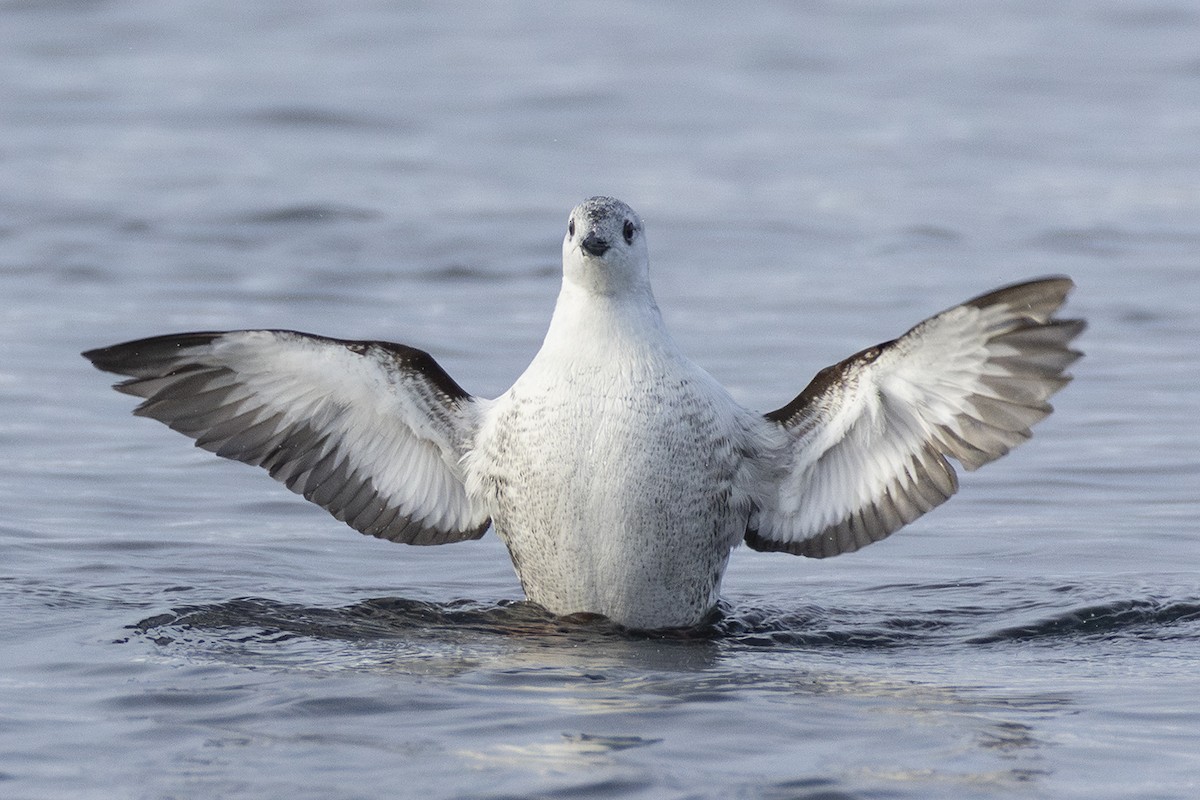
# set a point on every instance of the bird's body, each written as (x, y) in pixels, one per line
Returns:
(617, 472)
(613, 470)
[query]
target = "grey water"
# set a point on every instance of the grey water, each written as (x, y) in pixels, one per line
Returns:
(815, 177)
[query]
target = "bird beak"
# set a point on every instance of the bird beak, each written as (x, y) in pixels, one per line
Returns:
(594, 244)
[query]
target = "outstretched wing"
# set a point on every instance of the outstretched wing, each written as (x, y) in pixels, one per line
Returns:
(370, 431)
(871, 435)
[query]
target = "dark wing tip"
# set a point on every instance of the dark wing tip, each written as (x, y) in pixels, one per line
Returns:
(1039, 297)
(143, 357)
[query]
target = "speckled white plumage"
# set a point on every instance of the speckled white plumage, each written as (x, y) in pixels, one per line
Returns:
(618, 473)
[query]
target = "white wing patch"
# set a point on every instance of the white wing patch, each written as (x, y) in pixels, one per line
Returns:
(871, 435)
(371, 431)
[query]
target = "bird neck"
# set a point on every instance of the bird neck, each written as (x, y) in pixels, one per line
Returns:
(586, 321)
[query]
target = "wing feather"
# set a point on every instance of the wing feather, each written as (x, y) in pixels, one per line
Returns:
(870, 436)
(373, 432)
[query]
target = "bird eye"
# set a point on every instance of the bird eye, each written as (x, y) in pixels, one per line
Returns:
(629, 229)
(571, 228)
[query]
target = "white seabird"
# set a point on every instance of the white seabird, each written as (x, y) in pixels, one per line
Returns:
(618, 473)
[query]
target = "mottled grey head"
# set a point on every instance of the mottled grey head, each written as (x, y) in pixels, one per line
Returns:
(604, 250)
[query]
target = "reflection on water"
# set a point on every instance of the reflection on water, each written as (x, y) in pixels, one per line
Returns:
(587, 673)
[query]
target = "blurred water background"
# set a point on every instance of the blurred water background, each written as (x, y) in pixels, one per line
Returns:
(815, 178)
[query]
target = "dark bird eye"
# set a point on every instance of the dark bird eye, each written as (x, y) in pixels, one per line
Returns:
(571, 228)
(629, 229)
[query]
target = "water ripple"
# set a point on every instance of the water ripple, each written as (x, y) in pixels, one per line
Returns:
(265, 621)
(377, 619)
(308, 214)
(1141, 618)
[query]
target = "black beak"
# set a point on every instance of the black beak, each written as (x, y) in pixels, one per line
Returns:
(594, 245)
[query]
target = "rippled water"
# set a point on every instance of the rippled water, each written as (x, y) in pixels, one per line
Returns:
(815, 178)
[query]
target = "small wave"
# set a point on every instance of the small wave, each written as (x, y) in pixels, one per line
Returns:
(460, 273)
(816, 627)
(385, 618)
(1157, 619)
(252, 619)
(1085, 241)
(312, 117)
(308, 214)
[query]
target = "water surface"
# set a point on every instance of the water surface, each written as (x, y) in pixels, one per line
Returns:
(815, 178)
